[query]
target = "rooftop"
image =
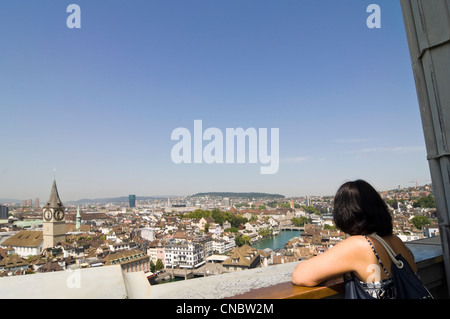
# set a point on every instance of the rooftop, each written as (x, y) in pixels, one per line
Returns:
(25, 238)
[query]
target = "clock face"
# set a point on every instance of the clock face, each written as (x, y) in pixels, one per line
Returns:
(48, 215)
(59, 214)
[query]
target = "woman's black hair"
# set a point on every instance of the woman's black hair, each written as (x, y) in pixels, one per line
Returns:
(359, 209)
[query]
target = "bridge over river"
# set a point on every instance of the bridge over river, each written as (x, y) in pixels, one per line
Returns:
(292, 227)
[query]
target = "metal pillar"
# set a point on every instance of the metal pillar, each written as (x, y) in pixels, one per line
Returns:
(427, 25)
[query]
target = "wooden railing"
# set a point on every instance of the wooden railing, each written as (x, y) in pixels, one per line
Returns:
(431, 271)
(286, 290)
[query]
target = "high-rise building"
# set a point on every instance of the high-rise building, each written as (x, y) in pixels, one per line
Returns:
(4, 212)
(308, 201)
(132, 200)
(36, 202)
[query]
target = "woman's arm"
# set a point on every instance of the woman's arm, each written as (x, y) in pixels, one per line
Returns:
(342, 258)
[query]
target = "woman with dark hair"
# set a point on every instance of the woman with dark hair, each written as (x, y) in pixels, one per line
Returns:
(358, 211)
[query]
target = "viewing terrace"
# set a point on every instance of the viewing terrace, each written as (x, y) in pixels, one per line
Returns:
(427, 27)
(272, 282)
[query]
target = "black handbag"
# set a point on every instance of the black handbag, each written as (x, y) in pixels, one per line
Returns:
(353, 288)
(407, 285)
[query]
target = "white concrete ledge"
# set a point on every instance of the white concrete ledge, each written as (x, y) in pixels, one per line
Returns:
(224, 285)
(109, 282)
(137, 285)
(90, 283)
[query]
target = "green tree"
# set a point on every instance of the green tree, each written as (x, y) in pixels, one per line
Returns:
(242, 240)
(159, 265)
(237, 220)
(420, 221)
(312, 210)
(265, 232)
(218, 216)
(425, 202)
(227, 216)
(152, 266)
(199, 213)
(272, 204)
(299, 221)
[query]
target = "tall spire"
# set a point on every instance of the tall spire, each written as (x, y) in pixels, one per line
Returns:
(54, 200)
(78, 218)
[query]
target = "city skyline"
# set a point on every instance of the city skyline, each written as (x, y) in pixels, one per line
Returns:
(35, 202)
(99, 103)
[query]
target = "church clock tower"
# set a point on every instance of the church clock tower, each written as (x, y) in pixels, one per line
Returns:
(54, 223)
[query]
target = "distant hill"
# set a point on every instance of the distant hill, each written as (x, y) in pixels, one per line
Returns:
(124, 199)
(246, 195)
(10, 200)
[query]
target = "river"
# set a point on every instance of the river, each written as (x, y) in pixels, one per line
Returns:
(271, 242)
(277, 241)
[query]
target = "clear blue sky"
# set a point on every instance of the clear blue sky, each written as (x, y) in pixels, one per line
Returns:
(99, 103)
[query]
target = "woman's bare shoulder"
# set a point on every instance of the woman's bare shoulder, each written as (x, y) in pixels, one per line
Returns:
(355, 243)
(394, 241)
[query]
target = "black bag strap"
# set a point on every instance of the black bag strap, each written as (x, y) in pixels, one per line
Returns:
(376, 255)
(389, 250)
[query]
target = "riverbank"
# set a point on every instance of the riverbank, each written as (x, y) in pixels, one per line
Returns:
(274, 242)
(277, 241)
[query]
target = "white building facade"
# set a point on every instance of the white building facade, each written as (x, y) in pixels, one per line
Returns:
(183, 254)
